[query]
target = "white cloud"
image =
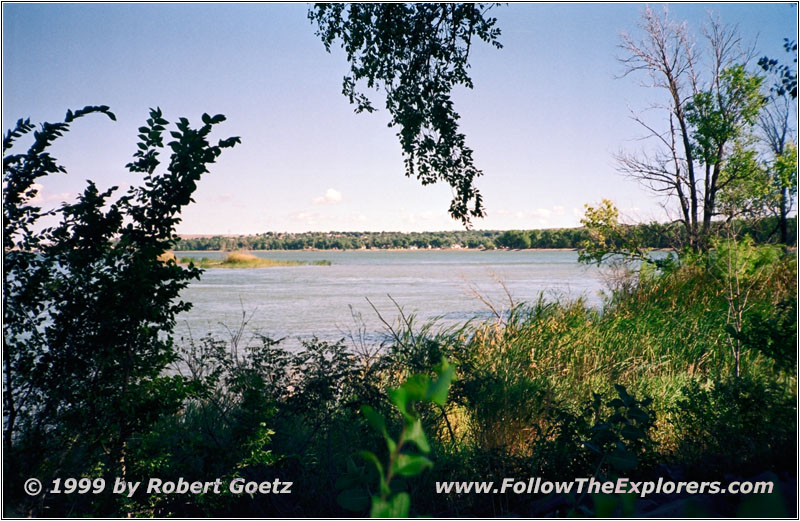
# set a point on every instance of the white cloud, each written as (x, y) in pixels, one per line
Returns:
(43, 197)
(332, 196)
(309, 218)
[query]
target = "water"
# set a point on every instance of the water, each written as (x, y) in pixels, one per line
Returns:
(299, 302)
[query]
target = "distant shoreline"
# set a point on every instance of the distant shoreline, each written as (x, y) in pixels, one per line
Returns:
(315, 250)
(652, 235)
(380, 249)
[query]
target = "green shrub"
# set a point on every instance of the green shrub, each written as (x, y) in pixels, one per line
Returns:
(735, 425)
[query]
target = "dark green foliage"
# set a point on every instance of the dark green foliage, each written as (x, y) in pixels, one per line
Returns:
(223, 429)
(609, 435)
(623, 438)
(388, 501)
(653, 235)
(514, 239)
(26, 273)
(417, 54)
(787, 76)
(773, 332)
(736, 425)
(89, 307)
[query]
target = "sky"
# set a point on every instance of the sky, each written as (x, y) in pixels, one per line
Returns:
(545, 117)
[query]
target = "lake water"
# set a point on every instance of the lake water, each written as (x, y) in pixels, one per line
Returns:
(299, 302)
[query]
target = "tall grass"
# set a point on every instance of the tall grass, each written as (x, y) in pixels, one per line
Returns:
(657, 337)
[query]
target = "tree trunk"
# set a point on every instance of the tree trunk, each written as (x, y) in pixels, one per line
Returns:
(783, 219)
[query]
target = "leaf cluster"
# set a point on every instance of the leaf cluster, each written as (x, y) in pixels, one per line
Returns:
(786, 75)
(389, 501)
(417, 53)
(719, 115)
(89, 306)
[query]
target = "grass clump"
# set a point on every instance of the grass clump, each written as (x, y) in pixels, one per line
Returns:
(167, 256)
(246, 260)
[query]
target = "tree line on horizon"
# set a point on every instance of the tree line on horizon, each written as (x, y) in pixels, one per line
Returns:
(656, 235)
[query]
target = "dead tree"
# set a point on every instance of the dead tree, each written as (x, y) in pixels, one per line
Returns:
(687, 157)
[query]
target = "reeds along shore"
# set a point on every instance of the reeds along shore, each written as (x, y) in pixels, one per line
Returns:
(240, 260)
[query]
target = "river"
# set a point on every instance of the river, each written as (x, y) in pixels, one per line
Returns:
(299, 302)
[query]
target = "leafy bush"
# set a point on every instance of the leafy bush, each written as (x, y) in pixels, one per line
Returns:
(735, 425)
(89, 307)
(388, 501)
(773, 332)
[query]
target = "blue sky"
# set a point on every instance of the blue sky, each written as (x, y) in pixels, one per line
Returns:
(544, 119)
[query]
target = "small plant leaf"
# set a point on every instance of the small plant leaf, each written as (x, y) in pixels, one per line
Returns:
(411, 465)
(639, 415)
(616, 403)
(623, 394)
(355, 499)
(417, 435)
(391, 445)
(629, 432)
(396, 506)
(416, 387)
(369, 456)
(604, 505)
(437, 390)
(351, 466)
